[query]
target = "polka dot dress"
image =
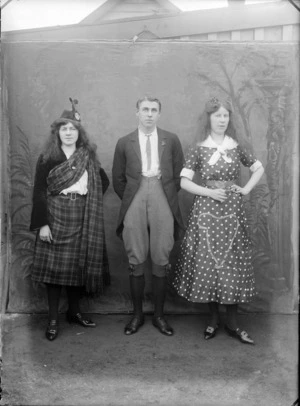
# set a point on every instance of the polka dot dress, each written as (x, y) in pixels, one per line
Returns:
(215, 257)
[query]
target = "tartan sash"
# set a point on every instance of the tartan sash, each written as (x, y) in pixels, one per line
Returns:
(92, 240)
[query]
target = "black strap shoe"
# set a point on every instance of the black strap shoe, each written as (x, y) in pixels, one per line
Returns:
(161, 324)
(52, 330)
(243, 336)
(132, 327)
(210, 332)
(79, 319)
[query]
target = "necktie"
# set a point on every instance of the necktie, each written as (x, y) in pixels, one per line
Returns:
(148, 152)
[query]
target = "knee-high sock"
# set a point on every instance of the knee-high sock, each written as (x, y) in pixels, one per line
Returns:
(159, 294)
(137, 285)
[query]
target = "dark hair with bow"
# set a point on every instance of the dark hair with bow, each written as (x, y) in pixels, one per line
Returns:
(204, 123)
(213, 105)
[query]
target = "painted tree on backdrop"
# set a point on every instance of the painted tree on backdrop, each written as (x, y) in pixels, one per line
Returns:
(23, 240)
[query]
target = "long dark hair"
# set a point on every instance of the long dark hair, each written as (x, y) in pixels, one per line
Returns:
(53, 149)
(204, 127)
(204, 123)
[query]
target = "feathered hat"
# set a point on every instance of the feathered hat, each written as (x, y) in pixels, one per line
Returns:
(69, 115)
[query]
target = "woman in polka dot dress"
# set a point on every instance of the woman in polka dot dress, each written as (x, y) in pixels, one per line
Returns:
(215, 259)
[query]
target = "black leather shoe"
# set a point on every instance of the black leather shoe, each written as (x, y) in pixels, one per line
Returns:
(210, 332)
(133, 326)
(52, 330)
(243, 336)
(161, 324)
(78, 319)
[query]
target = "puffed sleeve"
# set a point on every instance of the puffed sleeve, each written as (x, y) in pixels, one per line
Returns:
(191, 163)
(248, 159)
(39, 214)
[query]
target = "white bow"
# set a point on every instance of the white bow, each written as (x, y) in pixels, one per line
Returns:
(220, 152)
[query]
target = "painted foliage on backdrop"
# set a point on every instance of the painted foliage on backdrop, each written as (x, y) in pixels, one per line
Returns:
(107, 79)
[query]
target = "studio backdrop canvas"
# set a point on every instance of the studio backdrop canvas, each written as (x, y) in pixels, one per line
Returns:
(107, 78)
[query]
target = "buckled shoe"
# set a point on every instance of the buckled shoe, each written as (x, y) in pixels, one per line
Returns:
(210, 332)
(241, 335)
(79, 319)
(52, 330)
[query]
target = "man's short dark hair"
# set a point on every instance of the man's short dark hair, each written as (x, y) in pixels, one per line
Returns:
(150, 99)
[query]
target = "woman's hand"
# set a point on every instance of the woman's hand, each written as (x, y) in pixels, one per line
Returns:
(254, 179)
(239, 190)
(45, 234)
(218, 194)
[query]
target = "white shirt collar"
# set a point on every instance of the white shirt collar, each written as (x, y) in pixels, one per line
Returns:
(153, 132)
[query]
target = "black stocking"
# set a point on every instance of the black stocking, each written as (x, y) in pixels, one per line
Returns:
(74, 294)
(53, 292)
(231, 311)
(214, 313)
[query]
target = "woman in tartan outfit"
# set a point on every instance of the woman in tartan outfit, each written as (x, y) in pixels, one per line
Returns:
(68, 215)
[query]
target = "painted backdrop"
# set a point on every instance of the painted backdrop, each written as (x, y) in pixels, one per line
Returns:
(107, 79)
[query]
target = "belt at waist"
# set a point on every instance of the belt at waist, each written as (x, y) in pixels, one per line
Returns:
(157, 177)
(72, 196)
(217, 184)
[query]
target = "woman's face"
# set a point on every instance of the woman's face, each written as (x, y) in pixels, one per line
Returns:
(68, 134)
(219, 121)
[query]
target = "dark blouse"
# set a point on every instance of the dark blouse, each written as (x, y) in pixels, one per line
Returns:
(39, 214)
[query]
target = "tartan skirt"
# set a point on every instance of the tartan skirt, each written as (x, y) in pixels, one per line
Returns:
(57, 263)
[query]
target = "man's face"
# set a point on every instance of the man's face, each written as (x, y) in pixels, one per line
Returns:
(148, 115)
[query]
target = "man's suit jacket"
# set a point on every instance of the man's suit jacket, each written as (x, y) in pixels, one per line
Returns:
(127, 172)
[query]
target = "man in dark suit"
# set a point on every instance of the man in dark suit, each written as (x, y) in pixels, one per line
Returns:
(146, 168)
